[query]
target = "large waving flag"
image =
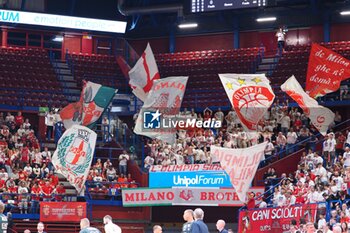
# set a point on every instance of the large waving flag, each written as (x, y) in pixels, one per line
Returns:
(325, 71)
(163, 102)
(74, 154)
(143, 74)
(320, 116)
(240, 165)
(94, 99)
(250, 95)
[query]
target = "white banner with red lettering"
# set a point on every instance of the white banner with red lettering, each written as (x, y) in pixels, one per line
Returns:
(240, 165)
(250, 95)
(184, 196)
(162, 105)
(143, 74)
(320, 116)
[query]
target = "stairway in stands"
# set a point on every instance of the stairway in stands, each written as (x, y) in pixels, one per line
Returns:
(66, 79)
(267, 65)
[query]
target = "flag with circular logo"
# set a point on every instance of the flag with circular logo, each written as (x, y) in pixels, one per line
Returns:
(250, 95)
(74, 154)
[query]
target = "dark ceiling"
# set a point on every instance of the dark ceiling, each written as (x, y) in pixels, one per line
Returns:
(141, 24)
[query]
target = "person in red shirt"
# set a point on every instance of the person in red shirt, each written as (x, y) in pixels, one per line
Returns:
(19, 120)
(47, 191)
(22, 176)
(54, 179)
(339, 147)
(36, 191)
(60, 192)
(251, 201)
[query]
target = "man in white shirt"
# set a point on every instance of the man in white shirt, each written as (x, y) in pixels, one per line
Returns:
(346, 157)
(313, 196)
(291, 140)
(280, 34)
(110, 227)
(219, 115)
(49, 121)
(123, 163)
(338, 180)
(285, 123)
(148, 162)
(331, 147)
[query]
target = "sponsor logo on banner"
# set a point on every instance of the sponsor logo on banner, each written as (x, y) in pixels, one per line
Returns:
(195, 175)
(62, 211)
(320, 116)
(326, 69)
(183, 196)
(250, 95)
(274, 219)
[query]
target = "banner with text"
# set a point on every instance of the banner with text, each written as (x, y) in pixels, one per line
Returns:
(183, 196)
(325, 71)
(274, 220)
(188, 175)
(240, 165)
(62, 211)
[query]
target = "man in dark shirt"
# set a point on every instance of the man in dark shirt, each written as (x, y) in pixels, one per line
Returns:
(220, 226)
(198, 226)
(188, 217)
(85, 227)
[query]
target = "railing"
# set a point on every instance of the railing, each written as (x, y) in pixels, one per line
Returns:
(124, 49)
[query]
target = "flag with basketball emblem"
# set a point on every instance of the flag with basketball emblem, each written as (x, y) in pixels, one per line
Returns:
(143, 74)
(94, 99)
(320, 116)
(250, 95)
(74, 153)
(161, 106)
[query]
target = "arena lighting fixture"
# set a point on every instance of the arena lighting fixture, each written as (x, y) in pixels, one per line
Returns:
(188, 25)
(58, 39)
(345, 12)
(266, 19)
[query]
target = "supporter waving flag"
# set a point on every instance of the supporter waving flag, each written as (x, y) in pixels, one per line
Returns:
(94, 99)
(143, 74)
(240, 165)
(74, 154)
(320, 116)
(250, 95)
(325, 71)
(163, 102)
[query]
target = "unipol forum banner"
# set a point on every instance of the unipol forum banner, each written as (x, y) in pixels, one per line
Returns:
(240, 165)
(62, 211)
(183, 196)
(188, 175)
(274, 220)
(325, 71)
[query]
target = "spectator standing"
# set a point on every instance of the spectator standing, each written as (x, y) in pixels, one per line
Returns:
(188, 217)
(123, 163)
(110, 227)
(280, 34)
(49, 122)
(198, 226)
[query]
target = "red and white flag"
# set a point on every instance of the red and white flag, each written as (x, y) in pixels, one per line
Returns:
(320, 116)
(143, 74)
(240, 165)
(160, 108)
(250, 95)
(325, 71)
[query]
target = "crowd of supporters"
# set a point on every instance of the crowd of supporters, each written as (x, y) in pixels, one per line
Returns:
(283, 128)
(321, 177)
(26, 172)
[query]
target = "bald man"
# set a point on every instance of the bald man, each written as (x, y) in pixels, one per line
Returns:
(220, 225)
(188, 217)
(157, 229)
(85, 227)
(337, 229)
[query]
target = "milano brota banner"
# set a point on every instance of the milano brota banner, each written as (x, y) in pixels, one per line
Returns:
(240, 165)
(94, 99)
(250, 95)
(62, 211)
(74, 154)
(184, 196)
(143, 74)
(274, 220)
(319, 116)
(160, 109)
(326, 69)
